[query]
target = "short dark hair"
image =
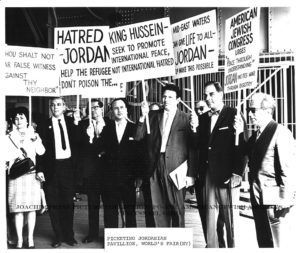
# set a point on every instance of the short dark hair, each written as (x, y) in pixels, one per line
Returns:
(172, 87)
(20, 110)
(217, 85)
(117, 99)
(93, 100)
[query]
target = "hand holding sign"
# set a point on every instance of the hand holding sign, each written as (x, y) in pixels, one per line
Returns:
(90, 131)
(194, 121)
(76, 116)
(144, 110)
(238, 124)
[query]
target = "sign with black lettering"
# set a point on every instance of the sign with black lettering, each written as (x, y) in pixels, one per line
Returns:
(142, 50)
(30, 71)
(195, 43)
(241, 50)
(85, 64)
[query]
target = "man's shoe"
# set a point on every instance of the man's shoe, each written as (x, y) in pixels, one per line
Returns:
(71, 242)
(89, 239)
(56, 244)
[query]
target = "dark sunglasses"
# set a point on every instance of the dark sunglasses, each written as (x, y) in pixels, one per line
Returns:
(252, 109)
(201, 108)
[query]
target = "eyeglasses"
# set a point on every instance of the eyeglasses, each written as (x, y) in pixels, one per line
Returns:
(201, 108)
(95, 107)
(252, 109)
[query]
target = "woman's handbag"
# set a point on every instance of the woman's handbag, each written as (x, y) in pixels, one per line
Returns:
(21, 166)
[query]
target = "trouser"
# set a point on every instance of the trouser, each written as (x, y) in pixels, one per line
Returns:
(167, 200)
(93, 195)
(223, 202)
(201, 205)
(272, 226)
(149, 216)
(113, 197)
(59, 192)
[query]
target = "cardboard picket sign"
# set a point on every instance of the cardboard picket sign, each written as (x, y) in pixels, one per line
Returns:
(85, 65)
(241, 53)
(142, 51)
(195, 43)
(242, 50)
(30, 71)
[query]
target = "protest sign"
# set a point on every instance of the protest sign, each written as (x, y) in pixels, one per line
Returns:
(85, 65)
(195, 43)
(142, 51)
(30, 71)
(242, 50)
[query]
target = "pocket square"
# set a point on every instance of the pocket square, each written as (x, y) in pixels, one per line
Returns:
(223, 128)
(131, 139)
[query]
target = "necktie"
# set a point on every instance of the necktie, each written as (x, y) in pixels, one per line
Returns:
(62, 136)
(96, 129)
(211, 113)
(258, 133)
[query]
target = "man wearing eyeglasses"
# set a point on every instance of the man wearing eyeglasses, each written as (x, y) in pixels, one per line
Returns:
(91, 165)
(201, 107)
(221, 166)
(272, 155)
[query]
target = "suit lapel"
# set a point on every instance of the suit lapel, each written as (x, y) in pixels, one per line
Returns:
(160, 121)
(174, 125)
(125, 134)
(69, 130)
(51, 133)
(175, 121)
(219, 121)
(114, 133)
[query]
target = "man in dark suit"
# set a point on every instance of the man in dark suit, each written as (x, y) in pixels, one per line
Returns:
(91, 166)
(221, 166)
(121, 175)
(57, 169)
(168, 146)
(272, 164)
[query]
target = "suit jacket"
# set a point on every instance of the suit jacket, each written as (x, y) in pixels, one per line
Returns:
(89, 160)
(217, 150)
(179, 147)
(47, 161)
(123, 159)
(277, 166)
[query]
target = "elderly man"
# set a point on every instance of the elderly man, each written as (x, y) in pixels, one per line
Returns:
(60, 138)
(221, 166)
(168, 146)
(272, 156)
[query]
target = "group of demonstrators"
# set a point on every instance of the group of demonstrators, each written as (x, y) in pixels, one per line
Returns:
(116, 156)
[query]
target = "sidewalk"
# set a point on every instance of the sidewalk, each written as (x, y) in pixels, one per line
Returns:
(44, 233)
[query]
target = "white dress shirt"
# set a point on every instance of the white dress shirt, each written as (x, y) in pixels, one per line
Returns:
(168, 118)
(98, 126)
(59, 152)
(120, 128)
(214, 119)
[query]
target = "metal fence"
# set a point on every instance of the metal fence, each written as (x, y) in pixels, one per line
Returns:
(276, 76)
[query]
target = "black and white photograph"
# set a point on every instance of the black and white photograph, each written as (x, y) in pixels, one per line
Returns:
(149, 126)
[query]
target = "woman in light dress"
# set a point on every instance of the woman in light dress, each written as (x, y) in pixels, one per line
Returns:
(24, 192)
